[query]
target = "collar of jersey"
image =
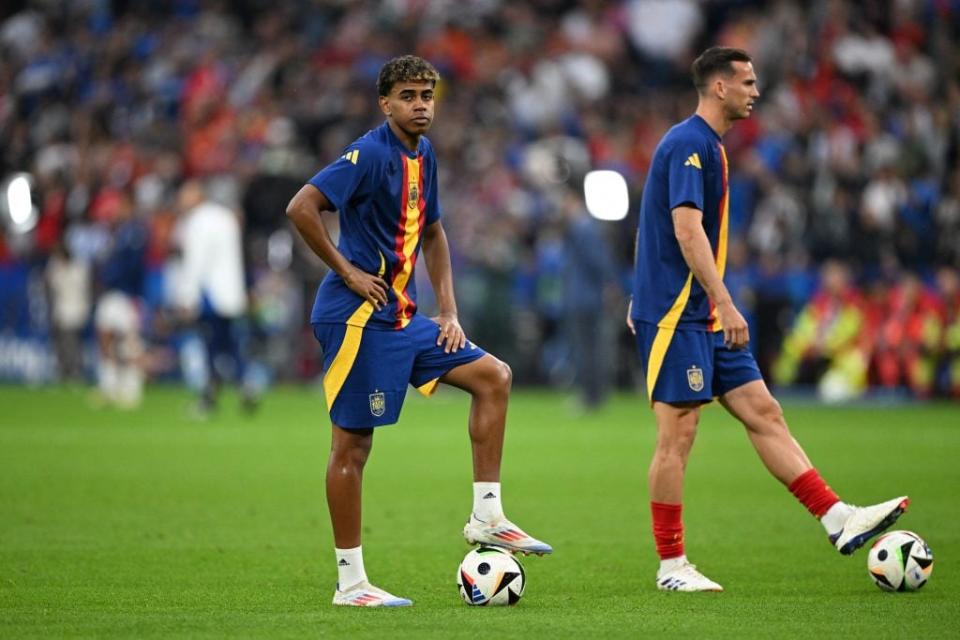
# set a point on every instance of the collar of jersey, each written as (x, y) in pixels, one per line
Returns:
(397, 143)
(702, 122)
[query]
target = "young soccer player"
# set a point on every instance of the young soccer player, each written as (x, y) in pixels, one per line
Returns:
(365, 317)
(690, 336)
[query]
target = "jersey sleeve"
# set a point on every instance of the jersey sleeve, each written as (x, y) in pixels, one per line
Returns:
(347, 176)
(685, 169)
(433, 197)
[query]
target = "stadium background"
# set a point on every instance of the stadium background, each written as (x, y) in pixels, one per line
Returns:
(149, 523)
(852, 156)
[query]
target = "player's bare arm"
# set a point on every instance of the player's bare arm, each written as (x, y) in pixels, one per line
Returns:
(305, 211)
(436, 252)
(695, 246)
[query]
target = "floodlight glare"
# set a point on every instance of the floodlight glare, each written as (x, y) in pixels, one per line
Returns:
(20, 209)
(606, 195)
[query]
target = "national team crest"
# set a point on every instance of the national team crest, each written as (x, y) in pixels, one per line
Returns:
(413, 196)
(695, 378)
(378, 404)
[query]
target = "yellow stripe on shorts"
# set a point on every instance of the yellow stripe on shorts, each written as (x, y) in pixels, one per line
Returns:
(428, 388)
(665, 330)
(347, 353)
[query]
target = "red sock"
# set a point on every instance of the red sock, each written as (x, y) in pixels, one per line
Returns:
(667, 529)
(810, 489)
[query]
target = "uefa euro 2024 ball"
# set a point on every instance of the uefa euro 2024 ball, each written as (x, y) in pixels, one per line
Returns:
(900, 561)
(489, 576)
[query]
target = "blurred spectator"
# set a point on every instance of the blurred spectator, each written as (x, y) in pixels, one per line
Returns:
(947, 220)
(826, 343)
(211, 291)
(118, 320)
(69, 290)
(948, 285)
(588, 284)
(882, 198)
(906, 348)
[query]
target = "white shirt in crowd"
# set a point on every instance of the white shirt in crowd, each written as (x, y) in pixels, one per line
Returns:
(69, 282)
(212, 260)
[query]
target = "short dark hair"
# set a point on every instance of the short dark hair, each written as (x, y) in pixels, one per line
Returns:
(405, 69)
(716, 60)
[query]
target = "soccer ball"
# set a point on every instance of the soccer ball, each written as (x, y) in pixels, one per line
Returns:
(900, 561)
(489, 576)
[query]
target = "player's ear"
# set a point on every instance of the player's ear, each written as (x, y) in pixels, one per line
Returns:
(720, 87)
(385, 106)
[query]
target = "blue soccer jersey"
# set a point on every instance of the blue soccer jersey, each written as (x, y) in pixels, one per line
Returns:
(689, 168)
(386, 196)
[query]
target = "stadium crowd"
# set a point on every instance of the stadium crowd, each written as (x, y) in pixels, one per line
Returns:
(845, 185)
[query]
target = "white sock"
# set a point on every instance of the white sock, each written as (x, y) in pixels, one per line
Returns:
(350, 569)
(835, 516)
(486, 501)
(130, 386)
(108, 377)
(671, 563)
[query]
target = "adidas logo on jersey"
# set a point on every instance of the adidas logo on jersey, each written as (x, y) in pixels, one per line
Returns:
(693, 161)
(351, 155)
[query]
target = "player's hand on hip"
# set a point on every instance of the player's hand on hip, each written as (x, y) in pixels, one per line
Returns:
(451, 335)
(736, 333)
(630, 326)
(371, 288)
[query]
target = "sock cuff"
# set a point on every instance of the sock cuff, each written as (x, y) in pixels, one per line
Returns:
(811, 490)
(804, 479)
(348, 551)
(663, 508)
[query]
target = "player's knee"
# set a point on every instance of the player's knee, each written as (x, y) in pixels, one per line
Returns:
(770, 413)
(681, 440)
(349, 459)
(503, 377)
(350, 452)
(677, 438)
(773, 410)
(496, 378)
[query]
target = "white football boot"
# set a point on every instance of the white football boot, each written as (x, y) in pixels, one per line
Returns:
(364, 594)
(685, 578)
(866, 522)
(504, 534)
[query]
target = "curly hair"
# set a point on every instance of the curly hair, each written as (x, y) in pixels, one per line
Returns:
(405, 69)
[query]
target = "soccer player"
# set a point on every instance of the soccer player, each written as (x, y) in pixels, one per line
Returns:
(365, 317)
(690, 336)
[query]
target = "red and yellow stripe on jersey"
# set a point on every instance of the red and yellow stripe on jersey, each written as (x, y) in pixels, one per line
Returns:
(720, 253)
(409, 230)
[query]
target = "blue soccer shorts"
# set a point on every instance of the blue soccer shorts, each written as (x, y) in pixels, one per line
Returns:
(686, 365)
(367, 370)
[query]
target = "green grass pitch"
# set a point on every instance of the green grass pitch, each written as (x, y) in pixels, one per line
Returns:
(146, 524)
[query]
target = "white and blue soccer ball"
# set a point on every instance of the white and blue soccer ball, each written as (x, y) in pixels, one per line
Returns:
(900, 561)
(489, 576)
